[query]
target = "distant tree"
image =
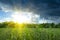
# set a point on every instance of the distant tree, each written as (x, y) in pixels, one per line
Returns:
(3, 25)
(11, 24)
(58, 25)
(52, 25)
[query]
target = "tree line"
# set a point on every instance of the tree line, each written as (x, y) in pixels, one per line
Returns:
(43, 25)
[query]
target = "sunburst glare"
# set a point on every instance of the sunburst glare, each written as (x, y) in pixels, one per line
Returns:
(22, 17)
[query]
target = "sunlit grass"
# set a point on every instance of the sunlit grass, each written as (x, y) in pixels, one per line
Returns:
(29, 34)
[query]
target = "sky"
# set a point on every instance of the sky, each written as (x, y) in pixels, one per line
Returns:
(47, 10)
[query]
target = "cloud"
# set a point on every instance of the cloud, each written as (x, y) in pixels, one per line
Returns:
(5, 8)
(7, 19)
(47, 9)
(1, 21)
(30, 17)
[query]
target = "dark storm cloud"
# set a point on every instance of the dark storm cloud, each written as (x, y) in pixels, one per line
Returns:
(15, 2)
(49, 7)
(45, 8)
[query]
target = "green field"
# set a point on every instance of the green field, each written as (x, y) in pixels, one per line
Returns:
(29, 33)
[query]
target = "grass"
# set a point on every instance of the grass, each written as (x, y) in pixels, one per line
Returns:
(29, 34)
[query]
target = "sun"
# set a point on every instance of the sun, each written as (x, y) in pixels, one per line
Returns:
(22, 17)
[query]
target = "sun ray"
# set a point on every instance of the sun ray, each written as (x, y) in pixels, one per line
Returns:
(22, 17)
